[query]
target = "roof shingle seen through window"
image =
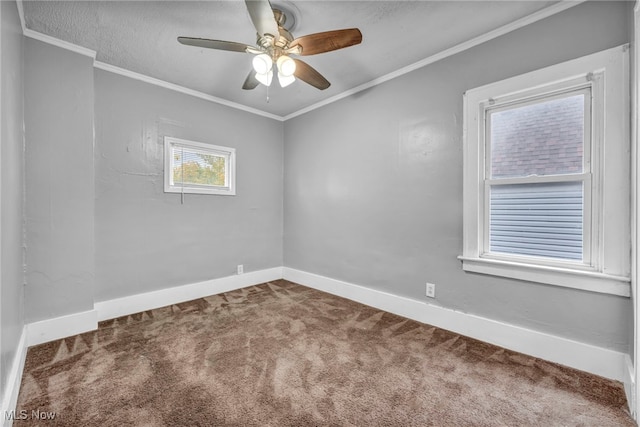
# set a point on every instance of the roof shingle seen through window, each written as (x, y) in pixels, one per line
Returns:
(538, 139)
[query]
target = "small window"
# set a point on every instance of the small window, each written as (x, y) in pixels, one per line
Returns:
(546, 176)
(195, 167)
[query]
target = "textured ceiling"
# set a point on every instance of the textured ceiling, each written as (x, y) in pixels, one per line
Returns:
(141, 37)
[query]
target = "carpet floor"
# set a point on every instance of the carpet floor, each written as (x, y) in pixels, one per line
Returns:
(281, 354)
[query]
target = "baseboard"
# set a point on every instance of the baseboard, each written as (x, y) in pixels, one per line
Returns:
(630, 385)
(77, 323)
(585, 357)
(136, 303)
(61, 327)
(9, 397)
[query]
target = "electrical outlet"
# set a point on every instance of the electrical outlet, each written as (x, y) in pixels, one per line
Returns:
(431, 290)
(240, 269)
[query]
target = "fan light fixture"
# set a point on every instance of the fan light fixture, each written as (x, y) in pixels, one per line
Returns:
(285, 80)
(286, 66)
(265, 78)
(262, 63)
(276, 44)
(263, 66)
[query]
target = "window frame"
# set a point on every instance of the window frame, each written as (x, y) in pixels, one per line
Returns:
(585, 177)
(208, 149)
(606, 221)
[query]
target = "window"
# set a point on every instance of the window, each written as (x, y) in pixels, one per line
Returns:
(538, 176)
(195, 167)
(546, 176)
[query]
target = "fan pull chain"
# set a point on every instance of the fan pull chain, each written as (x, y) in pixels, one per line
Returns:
(267, 94)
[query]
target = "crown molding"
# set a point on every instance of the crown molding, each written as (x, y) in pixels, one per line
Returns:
(157, 82)
(512, 26)
(49, 39)
(132, 74)
(21, 14)
(59, 43)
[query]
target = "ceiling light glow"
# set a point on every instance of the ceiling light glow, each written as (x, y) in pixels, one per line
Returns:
(285, 80)
(286, 66)
(262, 63)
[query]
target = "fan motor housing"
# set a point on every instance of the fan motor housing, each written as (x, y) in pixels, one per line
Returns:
(284, 38)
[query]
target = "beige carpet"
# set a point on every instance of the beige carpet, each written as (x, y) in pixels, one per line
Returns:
(280, 354)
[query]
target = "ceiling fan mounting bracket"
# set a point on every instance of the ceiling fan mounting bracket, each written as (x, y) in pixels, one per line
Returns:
(286, 14)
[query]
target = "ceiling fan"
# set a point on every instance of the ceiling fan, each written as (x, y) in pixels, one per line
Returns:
(275, 44)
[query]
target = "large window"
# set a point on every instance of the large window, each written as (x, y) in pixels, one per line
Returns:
(195, 167)
(546, 181)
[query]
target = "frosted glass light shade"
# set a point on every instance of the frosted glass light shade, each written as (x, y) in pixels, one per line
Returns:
(286, 66)
(262, 63)
(266, 78)
(285, 80)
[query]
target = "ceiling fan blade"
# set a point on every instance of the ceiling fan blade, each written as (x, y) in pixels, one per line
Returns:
(214, 44)
(250, 82)
(327, 41)
(309, 75)
(262, 17)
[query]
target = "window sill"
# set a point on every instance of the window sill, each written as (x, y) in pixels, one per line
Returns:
(190, 190)
(565, 277)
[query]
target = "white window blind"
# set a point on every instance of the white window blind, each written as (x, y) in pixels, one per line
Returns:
(544, 220)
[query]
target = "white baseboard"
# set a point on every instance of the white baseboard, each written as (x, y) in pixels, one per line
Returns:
(585, 357)
(136, 303)
(629, 382)
(9, 397)
(77, 323)
(61, 327)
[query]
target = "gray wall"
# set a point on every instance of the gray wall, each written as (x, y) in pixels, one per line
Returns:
(145, 238)
(98, 225)
(373, 184)
(59, 102)
(11, 188)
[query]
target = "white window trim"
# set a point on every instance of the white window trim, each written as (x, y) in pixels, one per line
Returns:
(581, 84)
(227, 152)
(609, 268)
